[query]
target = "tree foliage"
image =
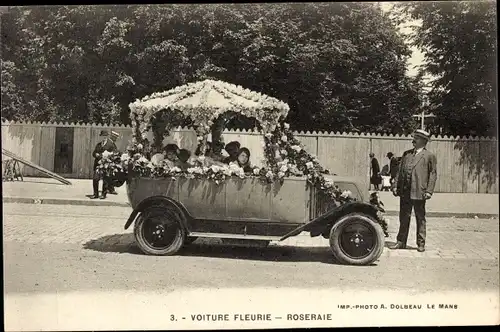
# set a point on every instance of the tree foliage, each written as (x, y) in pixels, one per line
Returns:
(458, 39)
(340, 66)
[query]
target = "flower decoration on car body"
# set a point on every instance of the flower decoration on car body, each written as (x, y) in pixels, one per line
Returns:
(284, 155)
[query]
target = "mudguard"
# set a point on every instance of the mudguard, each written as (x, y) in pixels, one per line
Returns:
(332, 215)
(156, 200)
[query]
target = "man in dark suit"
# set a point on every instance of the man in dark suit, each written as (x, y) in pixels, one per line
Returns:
(375, 177)
(105, 145)
(393, 166)
(114, 137)
(414, 185)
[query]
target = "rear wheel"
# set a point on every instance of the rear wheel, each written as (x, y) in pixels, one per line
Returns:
(159, 231)
(357, 239)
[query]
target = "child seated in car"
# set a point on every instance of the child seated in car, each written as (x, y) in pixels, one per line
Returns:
(183, 159)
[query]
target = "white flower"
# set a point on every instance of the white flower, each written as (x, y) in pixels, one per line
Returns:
(227, 171)
(150, 165)
(281, 174)
(139, 146)
(215, 168)
(328, 184)
(190, 170)
(284, 153)
(125, 157)
(286, 125)
(269, 174)
(346, 194)
(201, 158)
(309, 165)
(283, 169)
(144, 135)
(296, 148)
(106, 154)
(269, 135)
(256, 171)
(284, 138)
(143, 159)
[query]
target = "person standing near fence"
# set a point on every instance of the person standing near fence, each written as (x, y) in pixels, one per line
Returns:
(114, 138)
(393, 166)
(375, 177)
(414, 185)
(105, 145)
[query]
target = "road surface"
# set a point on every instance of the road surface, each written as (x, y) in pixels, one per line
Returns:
(50, 249)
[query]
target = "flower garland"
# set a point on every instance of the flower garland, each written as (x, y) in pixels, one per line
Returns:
(285, 156)
(267, 110)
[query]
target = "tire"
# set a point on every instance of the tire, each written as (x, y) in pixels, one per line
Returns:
(159, 231)
(357, 239)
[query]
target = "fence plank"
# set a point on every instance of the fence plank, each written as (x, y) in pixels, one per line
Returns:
(22, 141)
(469, 156)
(48, 143)
(81, 151)
(346, 156)
(310, 144)
(488, 178)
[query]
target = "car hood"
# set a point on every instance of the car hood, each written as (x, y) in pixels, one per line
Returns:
(360, 183)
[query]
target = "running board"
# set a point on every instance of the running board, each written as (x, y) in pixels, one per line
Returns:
(235, 236)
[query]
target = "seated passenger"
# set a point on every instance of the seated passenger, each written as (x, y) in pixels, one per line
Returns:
(183, 162)
(243, 160)
(157, 158)
(232, 148)
(171, 151)
(207, 150)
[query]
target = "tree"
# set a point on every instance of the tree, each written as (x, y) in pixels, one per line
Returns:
(459, 43)
(340, 66)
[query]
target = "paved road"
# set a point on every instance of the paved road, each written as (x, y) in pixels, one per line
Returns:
(62, 248)
(74, 267)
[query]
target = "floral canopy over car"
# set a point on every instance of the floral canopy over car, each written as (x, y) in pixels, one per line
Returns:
(203, 103)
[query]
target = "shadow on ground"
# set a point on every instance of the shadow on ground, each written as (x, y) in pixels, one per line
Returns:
(389, 244)
(214, 248)
(40, 180)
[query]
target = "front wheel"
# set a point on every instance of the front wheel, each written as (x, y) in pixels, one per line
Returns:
(159, 231)
(357, 239)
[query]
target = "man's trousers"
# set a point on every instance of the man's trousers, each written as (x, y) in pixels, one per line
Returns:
(95, 184)
(406, 205)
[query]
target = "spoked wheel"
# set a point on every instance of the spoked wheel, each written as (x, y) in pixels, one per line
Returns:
(159, 231)
(357, 239)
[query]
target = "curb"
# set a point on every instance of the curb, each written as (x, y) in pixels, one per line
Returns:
(90, 202)
(59, 201)
(464, 215)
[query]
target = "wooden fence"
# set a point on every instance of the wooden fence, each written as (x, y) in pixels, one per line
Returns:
(465, 164)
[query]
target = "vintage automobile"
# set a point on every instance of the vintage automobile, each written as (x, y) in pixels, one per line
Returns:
(170, 212)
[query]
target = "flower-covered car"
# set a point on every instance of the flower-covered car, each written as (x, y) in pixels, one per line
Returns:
(290, 194)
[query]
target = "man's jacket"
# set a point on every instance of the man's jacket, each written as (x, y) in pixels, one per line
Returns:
(417, 174)
(109, 146)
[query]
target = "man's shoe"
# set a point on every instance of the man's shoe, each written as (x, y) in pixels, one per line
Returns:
(398, 245)
(95, 196)
(103, 196)
(421, 249)
(113, 192)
